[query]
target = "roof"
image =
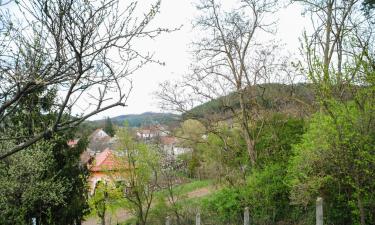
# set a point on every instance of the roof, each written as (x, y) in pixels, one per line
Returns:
(105, 160)
(145, 131)
(72, 143)
(99, 133)
(168, 140)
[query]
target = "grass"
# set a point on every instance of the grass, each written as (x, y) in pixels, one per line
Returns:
(181, 189)
(188, 187)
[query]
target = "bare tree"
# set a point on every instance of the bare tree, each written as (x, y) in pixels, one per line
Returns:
(82, 49)
(333, 44)
(229, 59)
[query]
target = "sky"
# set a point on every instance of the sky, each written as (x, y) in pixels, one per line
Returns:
(173, 49)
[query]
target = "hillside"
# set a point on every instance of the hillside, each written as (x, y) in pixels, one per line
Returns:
(147, 118)
(268, 96)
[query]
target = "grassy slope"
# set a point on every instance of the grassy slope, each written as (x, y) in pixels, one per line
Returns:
(180, 189)
(188, 187)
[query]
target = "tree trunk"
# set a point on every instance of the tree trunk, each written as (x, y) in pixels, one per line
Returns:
(250, 144)
(327, 41)
(102, 218)
(361, 211)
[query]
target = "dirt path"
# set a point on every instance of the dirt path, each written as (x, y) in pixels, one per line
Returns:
(122, 215)
(200, 192)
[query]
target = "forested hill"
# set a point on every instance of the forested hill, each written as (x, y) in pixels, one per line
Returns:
(268, 96)
(147, 118)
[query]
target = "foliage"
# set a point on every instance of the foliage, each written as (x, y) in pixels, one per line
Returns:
(369, 4)
(265, 190)
(61, 46)
(225, 206)
(267, 195)
(334, 161)
(46, 183)
(144, 119)
(190, 134)
(108, 127)
(106, 198)
(279, 133)
(139, 170)
(269, 96)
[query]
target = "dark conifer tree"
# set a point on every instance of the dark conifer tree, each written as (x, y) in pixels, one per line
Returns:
(108, 127)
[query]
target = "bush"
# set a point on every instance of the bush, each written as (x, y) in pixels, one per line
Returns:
(267, 195)
(224, 207)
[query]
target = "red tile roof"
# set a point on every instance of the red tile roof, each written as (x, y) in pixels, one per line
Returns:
(104, 161)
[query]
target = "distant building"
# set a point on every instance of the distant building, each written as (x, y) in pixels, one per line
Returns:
(152, 132)
(100, 140)
(172, 146)
(98, 134)
(72, 143)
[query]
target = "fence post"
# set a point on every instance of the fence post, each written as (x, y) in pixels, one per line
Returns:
(246, 216)
(167, 221)
(198, 219)
(319, 211)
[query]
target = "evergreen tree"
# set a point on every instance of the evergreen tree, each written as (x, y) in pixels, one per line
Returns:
(47, 181)
(370, 4)
(108, 127)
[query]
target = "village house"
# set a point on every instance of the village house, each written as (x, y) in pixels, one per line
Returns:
(107, 166)
(100, 140)
(151, 132)
(172, 146)
(103, 163)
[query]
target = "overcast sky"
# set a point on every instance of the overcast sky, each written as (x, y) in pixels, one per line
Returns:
(173, 49)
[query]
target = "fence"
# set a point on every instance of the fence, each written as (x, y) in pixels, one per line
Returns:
(246, 215)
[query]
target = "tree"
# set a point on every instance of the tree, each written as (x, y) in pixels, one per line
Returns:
(340, 40)
(169, 177)
(369, 4)
(228, 59)
(106, 196)
(339, 61)
(140, 170)
(76, 48)
(108, 127)
(46, 183)
(336, 164)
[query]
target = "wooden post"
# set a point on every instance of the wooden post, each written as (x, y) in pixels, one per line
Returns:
(198, 219)
(319, 211)
(167, 221)
(246, 216)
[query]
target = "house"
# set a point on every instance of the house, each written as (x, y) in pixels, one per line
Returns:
(100, 140)
(172, 146)
(146, 134)
(72, 143)
(107, 166)
(151, 132)
(98, 134)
